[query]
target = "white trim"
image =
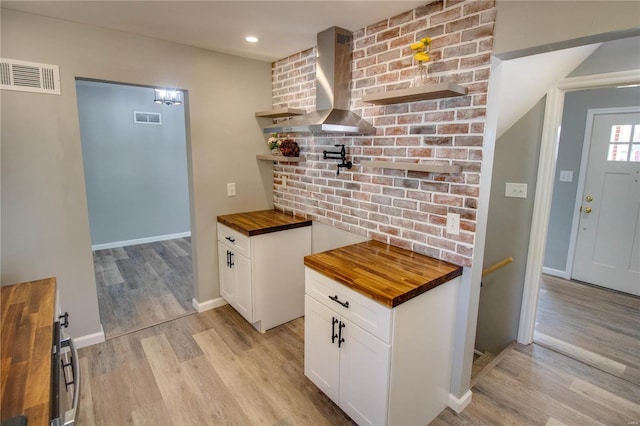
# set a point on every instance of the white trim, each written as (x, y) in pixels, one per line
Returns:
(541, 209)
(89, 339)
(208, 304)
(600, 80)
(140, 241)
(555, 272)
(459, 404)
(544, 187)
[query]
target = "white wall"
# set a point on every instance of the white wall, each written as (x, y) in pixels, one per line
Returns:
(45, 228)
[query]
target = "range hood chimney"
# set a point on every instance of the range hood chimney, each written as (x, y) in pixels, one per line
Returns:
(333, 74)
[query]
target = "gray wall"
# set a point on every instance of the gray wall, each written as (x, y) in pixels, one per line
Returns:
(529, 27)
(569, 157)
(45, 226)
(508, 227)
(135, 175)
(612, 56)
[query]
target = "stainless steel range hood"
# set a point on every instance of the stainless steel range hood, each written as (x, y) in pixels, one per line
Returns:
(333, 74)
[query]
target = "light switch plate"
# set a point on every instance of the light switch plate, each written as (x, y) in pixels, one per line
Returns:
(231, 190)
(566, 175)
(515, 190)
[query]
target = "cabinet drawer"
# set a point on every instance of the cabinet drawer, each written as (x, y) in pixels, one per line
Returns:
(363, 311)
(234, 239)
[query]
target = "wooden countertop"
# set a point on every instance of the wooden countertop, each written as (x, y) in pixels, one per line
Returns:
(27, 336)
(387, 274)
(263, 222)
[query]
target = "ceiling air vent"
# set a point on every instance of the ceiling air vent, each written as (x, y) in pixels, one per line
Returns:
(29, 76)
(140, 117)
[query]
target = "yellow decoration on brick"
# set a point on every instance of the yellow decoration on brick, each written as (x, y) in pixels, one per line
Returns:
(421, 57)
(418, 45)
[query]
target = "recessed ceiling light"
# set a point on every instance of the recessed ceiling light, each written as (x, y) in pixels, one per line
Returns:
(251, 39)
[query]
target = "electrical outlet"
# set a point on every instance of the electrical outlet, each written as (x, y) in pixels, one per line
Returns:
(453, 223)
(515, 190)
(231, 190)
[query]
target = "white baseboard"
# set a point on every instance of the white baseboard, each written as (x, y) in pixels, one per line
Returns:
(554, 272)
(459, 404)
(208, 304)
(89, 339)
(140, 241)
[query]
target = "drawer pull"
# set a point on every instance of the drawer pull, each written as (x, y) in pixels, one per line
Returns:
(65, 318)
(335, 299)
(340, 338)
(334, 321)
(233, 240)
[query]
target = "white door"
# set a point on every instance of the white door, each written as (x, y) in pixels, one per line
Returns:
(607, 247)
(228, 288)
(244, 301)
(321, 352)
(364, 375)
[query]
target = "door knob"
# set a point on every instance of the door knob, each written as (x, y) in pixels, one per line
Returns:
(587, 210)
(589, 198)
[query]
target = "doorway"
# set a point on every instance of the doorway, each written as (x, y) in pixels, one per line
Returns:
(545, 186)
(136, 178)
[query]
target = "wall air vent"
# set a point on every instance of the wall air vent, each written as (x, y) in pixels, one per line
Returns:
(29, 76)
(140, 117)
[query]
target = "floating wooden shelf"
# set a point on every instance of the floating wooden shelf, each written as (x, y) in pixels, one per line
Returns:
(415, 167)
(280, 112)
(281, 158)
(421, 93)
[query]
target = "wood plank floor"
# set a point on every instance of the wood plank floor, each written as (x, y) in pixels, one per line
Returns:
(598, 326)
(143, 285)
(215, 368)
(203, 369)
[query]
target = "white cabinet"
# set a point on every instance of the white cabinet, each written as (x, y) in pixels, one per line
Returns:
(235, 279)
(262, 276)
(347, 363)
(380, 365)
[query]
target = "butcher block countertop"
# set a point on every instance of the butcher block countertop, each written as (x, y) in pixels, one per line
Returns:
(263, 222)
(27, 336)
(387, 274)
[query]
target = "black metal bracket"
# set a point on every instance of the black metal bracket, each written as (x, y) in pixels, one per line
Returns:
(64, 323)
(338, 155)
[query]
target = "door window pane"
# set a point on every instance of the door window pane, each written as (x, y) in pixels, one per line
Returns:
(635, 152)
(621, 133)
(618, 152)
(636, 133)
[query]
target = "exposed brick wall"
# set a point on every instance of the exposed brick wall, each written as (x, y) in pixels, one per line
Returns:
(405, 209)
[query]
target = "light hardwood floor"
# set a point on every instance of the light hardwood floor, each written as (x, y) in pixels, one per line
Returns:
(142, 285)
(594, 325)
(214, 368)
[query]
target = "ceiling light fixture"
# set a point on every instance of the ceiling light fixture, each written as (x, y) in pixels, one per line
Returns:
(168, 97)
(251, 39)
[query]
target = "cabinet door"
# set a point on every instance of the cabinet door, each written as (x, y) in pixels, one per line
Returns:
(244, 300)
(227, 276)
(321, 356)
(364, 375)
